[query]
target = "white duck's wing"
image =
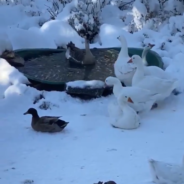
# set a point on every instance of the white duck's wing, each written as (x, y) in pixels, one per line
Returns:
(123, 70)
(169, 173)
(114, 110)
(122, 66)
(155, 84)
(142, 106)
(128, 120)
(131, 118)
(138, 94)
(158, 72)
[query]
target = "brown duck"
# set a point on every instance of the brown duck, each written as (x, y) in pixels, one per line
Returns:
(46, 123)
(80, 56)
(12, 58)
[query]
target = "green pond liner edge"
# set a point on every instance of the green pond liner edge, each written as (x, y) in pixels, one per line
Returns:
(33, 53)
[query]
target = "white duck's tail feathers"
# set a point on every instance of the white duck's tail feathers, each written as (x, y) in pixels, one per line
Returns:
(172, 84)
(169, 81)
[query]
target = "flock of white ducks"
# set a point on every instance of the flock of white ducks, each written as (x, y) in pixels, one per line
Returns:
(146, 86)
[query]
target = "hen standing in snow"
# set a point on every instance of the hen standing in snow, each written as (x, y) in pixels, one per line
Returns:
(46, 123)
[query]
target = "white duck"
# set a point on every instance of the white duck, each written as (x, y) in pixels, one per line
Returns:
(145, 51)
(165, 173)
(143, 99)
(122, 70)
(114, 110)
(153, 70)
(129, 118)
(154, 84)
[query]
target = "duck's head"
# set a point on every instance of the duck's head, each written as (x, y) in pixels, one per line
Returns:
(135, 59)
(31, 111)
(110, 81)
(125, 99)
(149, 46)
(121, 38)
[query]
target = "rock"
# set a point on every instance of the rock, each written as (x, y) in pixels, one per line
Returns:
(85, 89)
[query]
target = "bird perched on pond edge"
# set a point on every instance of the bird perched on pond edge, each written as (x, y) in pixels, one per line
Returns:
(80, 56)
(46, 123)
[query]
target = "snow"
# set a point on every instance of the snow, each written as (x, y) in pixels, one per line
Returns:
(89, 149)
(61, 32)
(10, 76)
(83, 84)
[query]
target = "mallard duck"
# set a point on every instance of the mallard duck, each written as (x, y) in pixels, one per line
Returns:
(46, 123)
(80, 56)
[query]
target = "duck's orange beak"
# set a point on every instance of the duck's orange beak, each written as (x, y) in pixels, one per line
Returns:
(151, 45)
(130, 100)
(130, 61)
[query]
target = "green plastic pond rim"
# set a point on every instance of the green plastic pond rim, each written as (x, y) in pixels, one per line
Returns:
(153, 58)
(32, 53)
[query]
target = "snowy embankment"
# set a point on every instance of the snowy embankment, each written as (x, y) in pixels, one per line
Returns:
(89, 149)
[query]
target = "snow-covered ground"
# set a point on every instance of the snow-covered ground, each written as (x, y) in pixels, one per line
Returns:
(89, 149)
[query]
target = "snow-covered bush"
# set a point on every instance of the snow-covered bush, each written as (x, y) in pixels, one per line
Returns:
(153, 13)
(123, 4)
(57, 7)
(85, 18)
